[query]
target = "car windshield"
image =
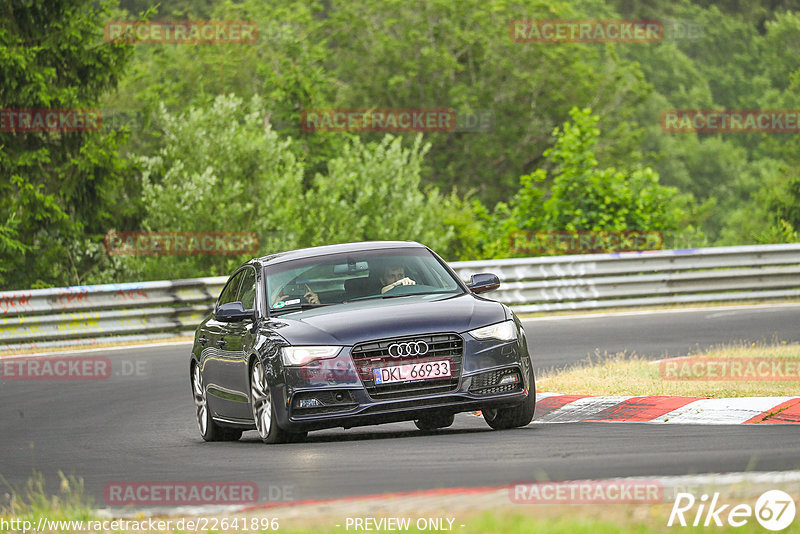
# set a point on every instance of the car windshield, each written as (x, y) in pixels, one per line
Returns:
(346, 277)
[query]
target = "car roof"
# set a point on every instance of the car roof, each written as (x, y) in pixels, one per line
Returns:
(280, 257)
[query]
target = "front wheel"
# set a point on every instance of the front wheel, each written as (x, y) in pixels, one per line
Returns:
(209, 429)
(515, 416)
(264, 410)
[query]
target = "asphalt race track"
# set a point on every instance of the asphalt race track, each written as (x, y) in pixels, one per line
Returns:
(139, 424)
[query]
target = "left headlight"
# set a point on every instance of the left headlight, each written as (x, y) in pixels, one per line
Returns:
(505, 331)
(304, 355)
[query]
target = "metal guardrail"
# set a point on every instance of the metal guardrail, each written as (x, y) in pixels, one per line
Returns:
(91, 314)
(82, 315)
(647, 278)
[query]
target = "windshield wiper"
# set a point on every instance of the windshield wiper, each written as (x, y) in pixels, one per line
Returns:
(296, 307)
(394, 296)
(377, 297)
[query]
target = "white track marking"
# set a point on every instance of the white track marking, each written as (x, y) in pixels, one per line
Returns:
(730, 411)
(581, 409)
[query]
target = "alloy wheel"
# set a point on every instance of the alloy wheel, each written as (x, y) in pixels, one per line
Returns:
(200, 402)
(261, 399)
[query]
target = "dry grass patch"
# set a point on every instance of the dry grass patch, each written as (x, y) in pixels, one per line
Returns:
(623, 374)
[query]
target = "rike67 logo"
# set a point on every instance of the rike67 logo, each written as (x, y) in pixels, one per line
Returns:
(774, 510)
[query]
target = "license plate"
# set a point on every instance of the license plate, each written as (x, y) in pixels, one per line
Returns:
(412, 371)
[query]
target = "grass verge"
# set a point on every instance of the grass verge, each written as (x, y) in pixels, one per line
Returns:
(573, 519)
(481, 513)
(523, 519)
(32, 501)
(624, 374)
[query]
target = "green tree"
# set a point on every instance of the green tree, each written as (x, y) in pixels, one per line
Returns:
(439, 54)
(459, 55)
(781, 205)
(58, 190)
(220, 169)
(372, 191)
(289, 67)
(737, 57)
(584, 196)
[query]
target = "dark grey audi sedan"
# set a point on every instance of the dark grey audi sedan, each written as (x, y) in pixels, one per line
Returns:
(356, 334)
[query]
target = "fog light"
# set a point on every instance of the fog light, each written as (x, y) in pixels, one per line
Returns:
(510, 379)
(309, 403)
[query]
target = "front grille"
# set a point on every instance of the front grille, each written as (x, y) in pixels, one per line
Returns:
(375, 354)
(487, 383)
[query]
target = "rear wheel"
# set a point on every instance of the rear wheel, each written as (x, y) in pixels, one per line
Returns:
(515, 416)
(264, 410)
(432, 422)
(209, 429)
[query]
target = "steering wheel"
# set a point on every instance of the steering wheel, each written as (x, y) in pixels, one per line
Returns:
(408, 290)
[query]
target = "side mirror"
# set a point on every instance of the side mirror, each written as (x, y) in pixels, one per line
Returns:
(483, 282)
(232, 312)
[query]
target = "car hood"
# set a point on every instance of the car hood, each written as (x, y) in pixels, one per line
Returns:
(354, 322)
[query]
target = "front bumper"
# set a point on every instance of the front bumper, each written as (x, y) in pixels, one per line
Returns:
(342, 400)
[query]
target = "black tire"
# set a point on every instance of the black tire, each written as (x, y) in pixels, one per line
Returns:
(433, 422)
(264, 410)
(209, 429)
(515, 416)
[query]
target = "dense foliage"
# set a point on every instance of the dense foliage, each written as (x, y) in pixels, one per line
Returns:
(208, 137)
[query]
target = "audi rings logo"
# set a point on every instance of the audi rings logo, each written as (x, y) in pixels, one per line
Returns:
(412, 348)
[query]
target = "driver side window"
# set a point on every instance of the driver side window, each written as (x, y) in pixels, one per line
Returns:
(247, 293)
(231, 290)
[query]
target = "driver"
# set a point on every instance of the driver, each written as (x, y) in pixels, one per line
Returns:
(393, 276)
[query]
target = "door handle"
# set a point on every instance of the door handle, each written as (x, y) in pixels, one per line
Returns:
(203, 340)
(221, 343)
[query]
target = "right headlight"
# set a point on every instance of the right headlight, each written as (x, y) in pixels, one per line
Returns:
(302, 355)
(505, 331)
